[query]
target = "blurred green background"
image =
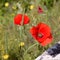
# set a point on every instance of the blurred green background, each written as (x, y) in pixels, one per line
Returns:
(16, 43)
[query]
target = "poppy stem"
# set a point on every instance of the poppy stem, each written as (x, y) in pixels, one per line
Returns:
(6, 43)
(30, 48)
(23, 18)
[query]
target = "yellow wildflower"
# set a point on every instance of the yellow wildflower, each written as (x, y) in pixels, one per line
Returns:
(6, 56)
(21, 44)
(31, 7)
(6, 4)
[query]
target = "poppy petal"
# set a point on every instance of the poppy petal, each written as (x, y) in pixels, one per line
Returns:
(40, 10)
(45, 31)
(42, 25)
(26, 19)
(42, 33)
(18, 19)
(33, 31)
(47, 41)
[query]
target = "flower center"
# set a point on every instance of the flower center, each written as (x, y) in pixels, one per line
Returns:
(40, 35)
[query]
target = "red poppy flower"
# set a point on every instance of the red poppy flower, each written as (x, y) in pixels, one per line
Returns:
(40, 10)
(18, 19)
(42, 33)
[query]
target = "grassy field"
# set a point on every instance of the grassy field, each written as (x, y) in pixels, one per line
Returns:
(16, 42)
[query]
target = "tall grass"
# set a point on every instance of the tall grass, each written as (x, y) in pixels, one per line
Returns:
(12, 35)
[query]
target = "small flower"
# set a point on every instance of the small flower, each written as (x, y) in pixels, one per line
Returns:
(19, 18)
(6, 56)
(31, 7)
(40, 10)
(6, 4)
(42, 33)
(21, 44)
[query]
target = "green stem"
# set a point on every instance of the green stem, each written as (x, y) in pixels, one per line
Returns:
(6, 42)
(23, 18)
(30, 48)
(21, 27)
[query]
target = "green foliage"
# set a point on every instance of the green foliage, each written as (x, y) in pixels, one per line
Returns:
(49, 3)
(11, 35)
